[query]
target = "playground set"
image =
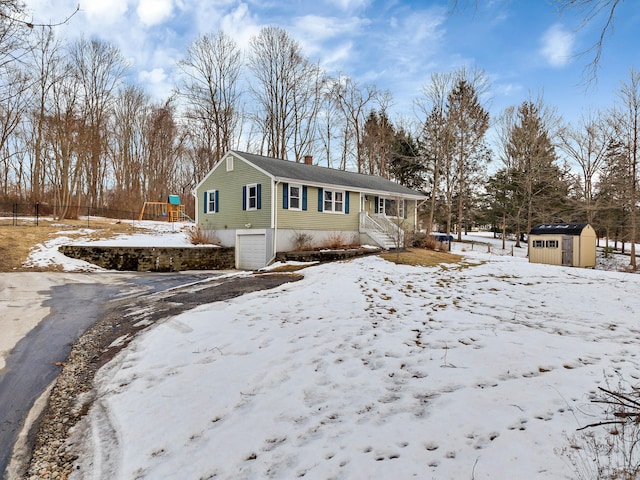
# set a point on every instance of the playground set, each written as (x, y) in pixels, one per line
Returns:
(171, 210)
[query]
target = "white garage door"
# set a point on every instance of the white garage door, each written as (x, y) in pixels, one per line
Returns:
(252, 251)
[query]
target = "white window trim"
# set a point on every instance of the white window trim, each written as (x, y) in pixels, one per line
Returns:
(211, 199)
(248, 199)
(299, 197)
(400, 205)
(333, 201)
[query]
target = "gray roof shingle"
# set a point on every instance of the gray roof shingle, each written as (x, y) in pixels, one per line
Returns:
(285, 169)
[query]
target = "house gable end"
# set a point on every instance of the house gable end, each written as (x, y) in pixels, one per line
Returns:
(231, 188)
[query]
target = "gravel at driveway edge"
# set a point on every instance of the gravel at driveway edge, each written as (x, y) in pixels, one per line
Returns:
(72, 395)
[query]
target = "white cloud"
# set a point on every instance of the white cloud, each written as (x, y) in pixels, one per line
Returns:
(337, 55)
(349, 5)
(104, 11)
(156, 75)
(157, 83)
(326, 38)
(240, 25)
(154, 12)
(557, 46)
(322, 28)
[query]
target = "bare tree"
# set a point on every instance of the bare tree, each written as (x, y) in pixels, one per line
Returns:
(330, 122)
(99, 68)
(353, 100)
(626, 124)
(586, 146)
(435, 138)
(12, 112)
(591, 10)
(13, 37)
(44, 60)
(63, 133)
(210, 88)
(163, 146)
(287, 91)
(126, 146)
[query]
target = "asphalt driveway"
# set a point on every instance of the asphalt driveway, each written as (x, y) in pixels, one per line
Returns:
(89, 311)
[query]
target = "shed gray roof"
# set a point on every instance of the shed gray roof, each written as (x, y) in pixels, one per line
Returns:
(301, 172)
(558, 229)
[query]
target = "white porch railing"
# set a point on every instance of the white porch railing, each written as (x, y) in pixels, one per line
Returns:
(382, 230)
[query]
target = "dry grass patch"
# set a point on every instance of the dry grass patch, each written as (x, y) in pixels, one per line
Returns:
(421, 257)
(17, 242)
(288, 268)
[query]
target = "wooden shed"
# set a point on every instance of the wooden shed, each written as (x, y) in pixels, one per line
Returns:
(568, 244)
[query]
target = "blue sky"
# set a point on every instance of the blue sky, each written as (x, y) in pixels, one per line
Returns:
(526, 47)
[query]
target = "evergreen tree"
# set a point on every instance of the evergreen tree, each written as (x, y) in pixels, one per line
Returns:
(539, 185)
(612, 217)
(405, 164)
(377, 139)
(467, 122)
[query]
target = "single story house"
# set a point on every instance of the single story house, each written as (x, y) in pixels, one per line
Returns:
(264, 205)
(569, 244)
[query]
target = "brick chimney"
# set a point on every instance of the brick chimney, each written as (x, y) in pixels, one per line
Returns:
(308, 160)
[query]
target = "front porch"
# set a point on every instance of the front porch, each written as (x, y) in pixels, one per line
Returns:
(384, 220)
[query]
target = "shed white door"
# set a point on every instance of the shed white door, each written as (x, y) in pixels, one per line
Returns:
(252, 251)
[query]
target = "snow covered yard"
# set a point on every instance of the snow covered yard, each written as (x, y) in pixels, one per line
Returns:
(367, 369)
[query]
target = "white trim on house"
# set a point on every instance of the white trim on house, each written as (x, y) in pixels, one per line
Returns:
(249, 197)
(333, 202)
(291, 197)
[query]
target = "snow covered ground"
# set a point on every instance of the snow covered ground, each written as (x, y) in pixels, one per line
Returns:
(148, 234)
(367, 369)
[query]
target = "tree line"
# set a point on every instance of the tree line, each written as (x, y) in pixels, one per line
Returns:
(75, 131)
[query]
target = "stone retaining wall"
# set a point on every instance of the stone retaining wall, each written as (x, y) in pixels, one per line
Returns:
(154, 259)
(324, 255)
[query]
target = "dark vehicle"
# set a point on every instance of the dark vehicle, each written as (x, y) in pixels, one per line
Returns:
(443, 238)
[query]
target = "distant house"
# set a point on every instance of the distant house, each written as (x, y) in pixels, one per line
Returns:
(569, 244)
(263, 205)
